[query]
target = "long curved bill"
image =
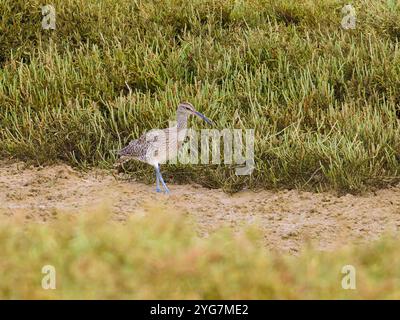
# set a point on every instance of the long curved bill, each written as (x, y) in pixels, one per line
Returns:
(202, 116)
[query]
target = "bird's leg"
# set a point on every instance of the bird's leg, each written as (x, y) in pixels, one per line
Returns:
(162, 180)
(157, 181)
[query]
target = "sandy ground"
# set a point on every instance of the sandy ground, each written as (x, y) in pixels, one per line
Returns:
(288, 219)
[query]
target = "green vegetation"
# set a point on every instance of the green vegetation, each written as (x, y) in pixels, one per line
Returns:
(324, 102)
(159, 256)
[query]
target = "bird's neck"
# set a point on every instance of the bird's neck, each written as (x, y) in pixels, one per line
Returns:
(181, 121)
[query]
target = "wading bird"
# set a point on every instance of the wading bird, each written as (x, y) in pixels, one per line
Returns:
(158, 146)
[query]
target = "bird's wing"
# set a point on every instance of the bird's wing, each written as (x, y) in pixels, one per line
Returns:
(137, 148)
(133, 149)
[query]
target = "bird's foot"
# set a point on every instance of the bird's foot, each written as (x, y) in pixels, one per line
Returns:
(158, 190)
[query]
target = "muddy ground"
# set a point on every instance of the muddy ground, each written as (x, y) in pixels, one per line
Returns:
(288, 218)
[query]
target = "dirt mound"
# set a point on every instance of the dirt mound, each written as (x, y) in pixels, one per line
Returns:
(288, 219)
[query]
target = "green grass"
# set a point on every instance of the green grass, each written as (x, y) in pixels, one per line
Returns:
(324, 102)
(159, 256)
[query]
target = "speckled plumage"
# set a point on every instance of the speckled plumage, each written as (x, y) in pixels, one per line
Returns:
(157, 146)
(154, 147)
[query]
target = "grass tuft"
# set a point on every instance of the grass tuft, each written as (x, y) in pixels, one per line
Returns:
(324, 102)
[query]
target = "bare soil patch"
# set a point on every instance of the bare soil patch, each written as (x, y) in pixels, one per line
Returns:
(288, 218)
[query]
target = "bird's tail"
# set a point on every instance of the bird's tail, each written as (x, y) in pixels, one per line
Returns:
(121, 160)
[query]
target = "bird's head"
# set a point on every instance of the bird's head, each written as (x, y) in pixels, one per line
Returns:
(187, 108)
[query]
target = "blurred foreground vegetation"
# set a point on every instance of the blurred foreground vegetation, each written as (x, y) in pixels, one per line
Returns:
(324, 102)
(159, 256)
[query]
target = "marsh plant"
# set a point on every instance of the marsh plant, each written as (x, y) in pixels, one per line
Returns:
(160, 256)
(323, 100)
